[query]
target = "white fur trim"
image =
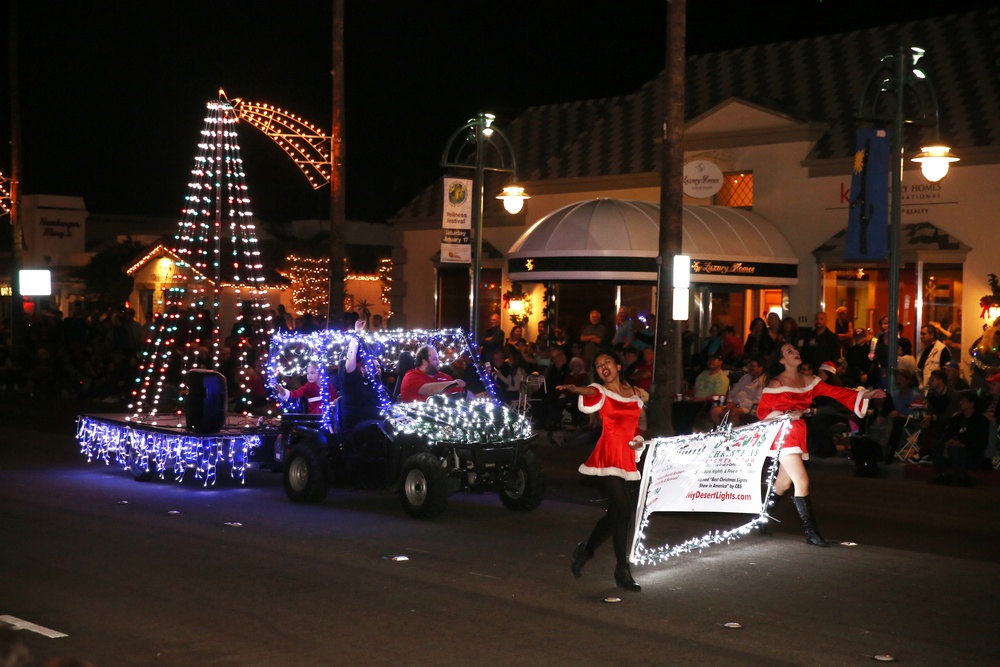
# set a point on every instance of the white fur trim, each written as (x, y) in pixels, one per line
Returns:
(794, 390)
(314, 399)
(861, 405)
(588, 409)
(609, 472)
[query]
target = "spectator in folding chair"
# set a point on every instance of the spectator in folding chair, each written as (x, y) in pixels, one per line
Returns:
(942, 403)
(898, 407)
(964, 443)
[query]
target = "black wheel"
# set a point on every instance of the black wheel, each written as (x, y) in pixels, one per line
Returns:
(305, 481)
(523, 484)
(142, 466)
(425, 486)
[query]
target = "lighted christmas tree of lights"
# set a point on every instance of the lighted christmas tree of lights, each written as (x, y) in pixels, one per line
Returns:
(216, 248)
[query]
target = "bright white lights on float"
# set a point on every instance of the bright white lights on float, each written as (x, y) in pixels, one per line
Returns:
(440, 419)
(173, 453)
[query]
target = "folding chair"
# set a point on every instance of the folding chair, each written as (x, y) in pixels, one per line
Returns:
(910, 450)
(530, 384)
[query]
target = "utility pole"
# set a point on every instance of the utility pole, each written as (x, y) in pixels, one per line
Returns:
(668, 369)
(17, 329)
(338, 175)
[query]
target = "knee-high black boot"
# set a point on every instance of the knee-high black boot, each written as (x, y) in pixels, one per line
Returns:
(804, 508)
(581, 555)
(619, 538)
(584, 551)
(773, 499)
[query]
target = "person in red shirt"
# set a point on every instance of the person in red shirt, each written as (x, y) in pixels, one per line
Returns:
(426, 380)
(308, 391)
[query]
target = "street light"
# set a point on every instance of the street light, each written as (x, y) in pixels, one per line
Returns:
(478, 135)
(898, 75)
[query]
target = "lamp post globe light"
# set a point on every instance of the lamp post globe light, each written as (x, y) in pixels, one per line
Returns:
(898, 76)
(489, 150)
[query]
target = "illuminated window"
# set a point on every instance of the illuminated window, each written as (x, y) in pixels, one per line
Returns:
(737, 190)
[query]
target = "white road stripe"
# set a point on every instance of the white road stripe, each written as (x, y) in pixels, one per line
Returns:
(21, 624)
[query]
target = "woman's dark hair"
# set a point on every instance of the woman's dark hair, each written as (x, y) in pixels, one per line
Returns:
(606, 352)
(774, 366)
(763, 324)
(906, 346)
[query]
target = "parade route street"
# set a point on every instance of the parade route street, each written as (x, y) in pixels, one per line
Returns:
(168, 573)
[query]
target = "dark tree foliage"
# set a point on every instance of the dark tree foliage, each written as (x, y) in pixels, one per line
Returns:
(105, 275)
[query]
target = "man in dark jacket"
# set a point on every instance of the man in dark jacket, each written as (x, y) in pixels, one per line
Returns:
(964, 442)
(822, 344)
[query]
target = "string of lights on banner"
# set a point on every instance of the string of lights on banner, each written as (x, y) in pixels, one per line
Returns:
(726, 440)
(215, 249)
(161, 452)
(483, 419)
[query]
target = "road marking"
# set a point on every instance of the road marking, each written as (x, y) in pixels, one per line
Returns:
(21, 624)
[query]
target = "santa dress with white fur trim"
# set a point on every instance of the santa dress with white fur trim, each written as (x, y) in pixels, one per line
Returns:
(613, 456)
(776, 402)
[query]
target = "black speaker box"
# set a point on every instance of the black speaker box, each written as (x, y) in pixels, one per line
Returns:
(205, 407)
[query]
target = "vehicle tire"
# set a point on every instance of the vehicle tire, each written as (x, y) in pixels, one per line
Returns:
(523, 484)
(305, 481)
(424, 489)
(142, 466)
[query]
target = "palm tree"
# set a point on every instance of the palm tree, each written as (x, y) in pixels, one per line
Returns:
(364, 311)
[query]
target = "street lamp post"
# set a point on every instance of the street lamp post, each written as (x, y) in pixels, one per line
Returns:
(480, 135)
(898, 75)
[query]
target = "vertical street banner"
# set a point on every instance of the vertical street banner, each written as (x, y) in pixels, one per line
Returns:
(868, 217)
(456, 221)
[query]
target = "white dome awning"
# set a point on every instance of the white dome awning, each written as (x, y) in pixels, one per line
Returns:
(618, 240)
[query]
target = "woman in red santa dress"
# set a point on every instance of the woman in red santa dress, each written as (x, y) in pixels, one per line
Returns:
(789, 393)
(613, 460)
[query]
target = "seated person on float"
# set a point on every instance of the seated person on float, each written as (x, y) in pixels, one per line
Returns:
(427, 380)
(310, 391)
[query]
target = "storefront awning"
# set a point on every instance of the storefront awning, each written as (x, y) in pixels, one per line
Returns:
(918, 241)
(617, 240)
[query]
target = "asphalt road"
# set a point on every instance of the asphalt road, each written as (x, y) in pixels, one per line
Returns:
(168, 573)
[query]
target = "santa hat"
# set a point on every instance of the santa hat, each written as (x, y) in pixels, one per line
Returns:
(828, 367)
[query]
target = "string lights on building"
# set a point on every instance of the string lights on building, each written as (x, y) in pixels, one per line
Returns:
(310, 279)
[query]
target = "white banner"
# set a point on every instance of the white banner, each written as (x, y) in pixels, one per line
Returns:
(456, 254)
(712, 472)
(456, 220)
(457, 209)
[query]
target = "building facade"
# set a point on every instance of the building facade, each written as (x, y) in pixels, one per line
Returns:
(778, 123)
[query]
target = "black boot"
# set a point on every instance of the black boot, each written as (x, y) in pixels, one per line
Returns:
(804, 508)
(623, 577)
(773, 499)
(580, 557)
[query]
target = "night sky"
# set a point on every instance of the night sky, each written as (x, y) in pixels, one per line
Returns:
(113, 92)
